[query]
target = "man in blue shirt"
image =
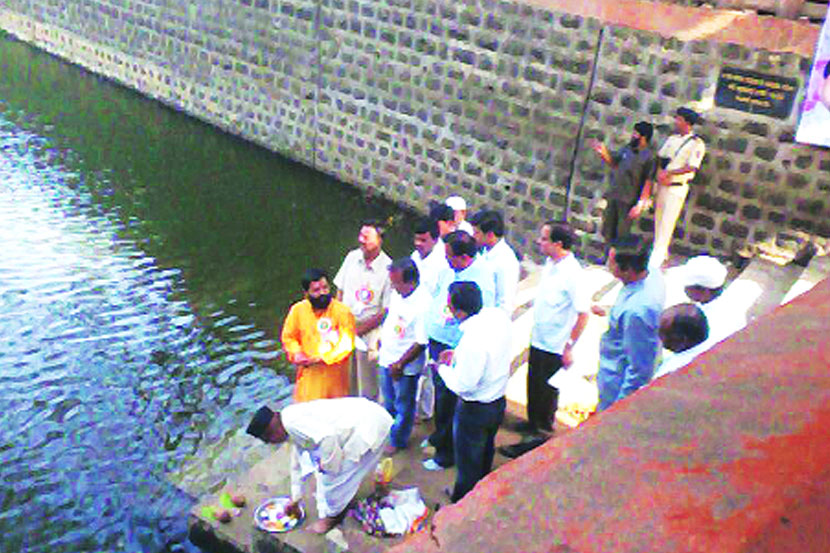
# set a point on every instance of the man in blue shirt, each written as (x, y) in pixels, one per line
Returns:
(443, 333)
(629, 348)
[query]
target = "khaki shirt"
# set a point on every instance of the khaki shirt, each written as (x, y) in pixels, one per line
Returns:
(683, 150)
(366, 289)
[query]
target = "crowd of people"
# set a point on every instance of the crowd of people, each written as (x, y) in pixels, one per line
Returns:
(429, 335)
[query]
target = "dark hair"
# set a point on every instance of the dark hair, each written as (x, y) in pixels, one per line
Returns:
(465, 295)
(687, 322)
(827, 70)
(691, 116)
(441, 212)
(312, 275)
(489, 220)
(631, 252)
(375, 224)
(461, 243)
(560, 231)
(407, 268)
(425, 224)
(645, 130)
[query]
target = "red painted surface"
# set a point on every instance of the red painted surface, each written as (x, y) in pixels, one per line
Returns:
(730, 454)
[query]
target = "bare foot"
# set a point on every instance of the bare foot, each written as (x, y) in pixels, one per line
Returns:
(324, 525)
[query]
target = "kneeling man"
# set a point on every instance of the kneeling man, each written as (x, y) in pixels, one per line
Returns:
(339, 440)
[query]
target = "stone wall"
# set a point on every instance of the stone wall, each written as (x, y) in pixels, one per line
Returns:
(418, 99)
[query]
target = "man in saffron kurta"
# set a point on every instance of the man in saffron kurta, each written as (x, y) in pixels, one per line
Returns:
(318, 338)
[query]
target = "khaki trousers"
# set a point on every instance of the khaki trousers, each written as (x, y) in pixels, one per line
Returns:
(667, 208)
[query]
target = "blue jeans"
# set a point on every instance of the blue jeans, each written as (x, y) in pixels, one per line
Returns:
(475, 426)
(399, 400)
(445, 400)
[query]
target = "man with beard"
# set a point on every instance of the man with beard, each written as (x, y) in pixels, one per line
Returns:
(318, 339)
(631, 181)
(363, 285)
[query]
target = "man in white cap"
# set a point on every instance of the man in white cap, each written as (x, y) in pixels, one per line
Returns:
(704, 277)
(459, 206)
(339, 440)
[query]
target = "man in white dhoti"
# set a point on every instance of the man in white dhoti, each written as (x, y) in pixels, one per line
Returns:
(339, 440)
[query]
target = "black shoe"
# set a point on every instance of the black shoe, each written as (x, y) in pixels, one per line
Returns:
(524, 427)
(519, 449)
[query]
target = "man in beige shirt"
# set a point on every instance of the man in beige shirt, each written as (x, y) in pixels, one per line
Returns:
(678, 159)
(363, 285)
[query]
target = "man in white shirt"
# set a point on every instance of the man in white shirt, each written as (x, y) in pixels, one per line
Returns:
(363, 285)
(704, 277)
(403, 341)
(678, 159)
(477, 371)
(431, 258)
(560, 313)
(459, 207)
(683, 331)
(339, 440)
(488, 230)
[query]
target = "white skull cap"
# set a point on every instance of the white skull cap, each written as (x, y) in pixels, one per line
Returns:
(705, 271)
(457, 203)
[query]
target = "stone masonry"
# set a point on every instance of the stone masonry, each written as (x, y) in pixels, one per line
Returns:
(417, 99)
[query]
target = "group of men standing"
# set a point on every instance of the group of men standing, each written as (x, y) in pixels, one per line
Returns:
(431, 333)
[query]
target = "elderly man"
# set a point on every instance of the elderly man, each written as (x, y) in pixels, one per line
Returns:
(683, 331)
(403, 341)
(318, 339)
(459, 207)
(628, 350)
(488, 231)
(631, 181)
(678, 159)
(363, 285)
(443, 333)
(339, 440)
(704, 277)
(476, 371)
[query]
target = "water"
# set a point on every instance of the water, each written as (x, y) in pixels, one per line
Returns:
(146, 263)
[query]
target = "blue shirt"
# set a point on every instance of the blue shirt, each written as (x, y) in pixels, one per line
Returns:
(441, 325)
(628, 350)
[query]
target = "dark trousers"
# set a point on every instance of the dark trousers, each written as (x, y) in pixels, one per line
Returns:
(542, 398)
(445, 400)
(474, 428)
(615, 221)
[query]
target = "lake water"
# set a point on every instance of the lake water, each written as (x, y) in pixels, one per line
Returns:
(146, 263)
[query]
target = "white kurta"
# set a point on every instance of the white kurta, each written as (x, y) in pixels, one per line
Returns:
(341, 441)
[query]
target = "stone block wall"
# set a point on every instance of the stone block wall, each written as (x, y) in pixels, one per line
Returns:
(419, 99)
(755, 181)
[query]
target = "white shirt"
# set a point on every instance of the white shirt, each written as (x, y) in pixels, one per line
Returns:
(326, 433)
(724, 319)
(365, 288)
(403, 327)
(814, 126)
(683, 150)
(481, 362)
(560, 297)
(505, 264)
(431, 266)
(466, 227)
(678, 360)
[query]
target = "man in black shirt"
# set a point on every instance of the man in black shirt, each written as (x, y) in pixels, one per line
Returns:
(631, 181)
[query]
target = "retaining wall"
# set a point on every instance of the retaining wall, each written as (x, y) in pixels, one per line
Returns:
(416, 99)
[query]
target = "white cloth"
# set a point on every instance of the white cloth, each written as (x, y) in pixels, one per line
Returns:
(505, 264)
(403, 327)
(562, 294)
(724, 318)
(431, 266)
(683, 150)
(466, 227)
(406, 509)
(678, 360)
(705, 271)
(333, 437)
(335, 491)
(365, 288)
(667, 209)
(480, 366)
(814, 127)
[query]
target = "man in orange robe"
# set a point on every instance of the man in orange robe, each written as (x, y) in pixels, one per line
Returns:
(318, 339)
